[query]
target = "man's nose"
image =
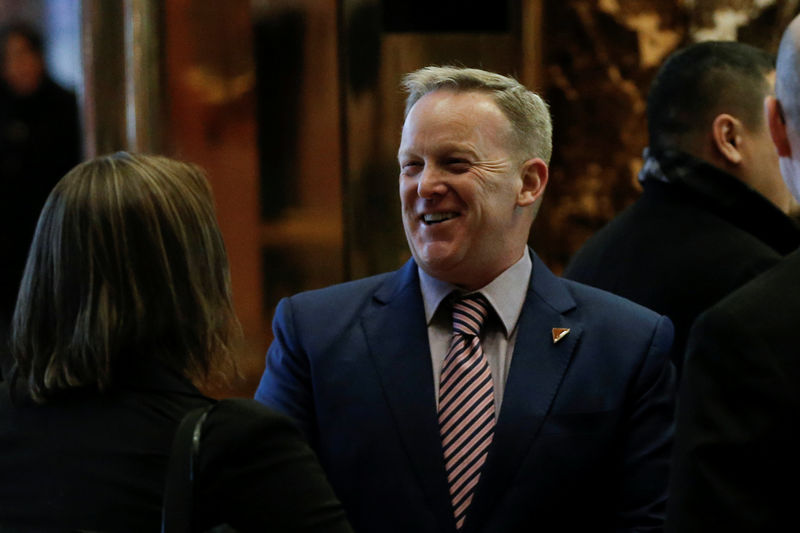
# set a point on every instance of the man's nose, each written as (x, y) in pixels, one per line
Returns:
(431, 183)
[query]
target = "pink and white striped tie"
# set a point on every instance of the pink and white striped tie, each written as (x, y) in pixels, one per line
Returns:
(466, 403)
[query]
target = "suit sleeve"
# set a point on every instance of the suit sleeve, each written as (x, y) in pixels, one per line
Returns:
(286, 384)
(648, 439)
(258, 474)
(730, 445)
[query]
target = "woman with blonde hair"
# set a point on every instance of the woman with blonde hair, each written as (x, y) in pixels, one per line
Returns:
(124, 306)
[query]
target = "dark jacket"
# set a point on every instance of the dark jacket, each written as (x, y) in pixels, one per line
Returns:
(97, 462)
(686, 243)
(736, 460)
(40, 141)
(582, 439)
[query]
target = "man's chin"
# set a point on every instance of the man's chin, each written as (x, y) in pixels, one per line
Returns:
(442, 267)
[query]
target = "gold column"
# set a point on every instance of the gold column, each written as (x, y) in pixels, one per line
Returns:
(121, 75)
(143, 75)
(103, 76)
(531, 57)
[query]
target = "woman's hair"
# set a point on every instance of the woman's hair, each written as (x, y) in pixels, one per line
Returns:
(127, 263)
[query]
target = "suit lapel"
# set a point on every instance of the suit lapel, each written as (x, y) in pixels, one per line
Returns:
(537, 368)
(396, 332)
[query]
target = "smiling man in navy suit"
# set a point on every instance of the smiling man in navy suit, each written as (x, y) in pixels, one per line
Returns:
(472, 390)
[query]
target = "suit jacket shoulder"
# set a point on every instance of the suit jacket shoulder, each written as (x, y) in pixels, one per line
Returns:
(330, 311)
(607, 314)
(739, 410)
(679, 248)
(619, 310)
(582, 436)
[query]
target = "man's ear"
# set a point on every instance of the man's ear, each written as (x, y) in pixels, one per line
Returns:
(727, 136)
(534, 181)
(777, 126)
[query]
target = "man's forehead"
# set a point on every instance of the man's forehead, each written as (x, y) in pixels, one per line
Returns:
(448, 96)
(454, 109)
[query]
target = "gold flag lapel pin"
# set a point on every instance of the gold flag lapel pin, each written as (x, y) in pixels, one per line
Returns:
(559, 333)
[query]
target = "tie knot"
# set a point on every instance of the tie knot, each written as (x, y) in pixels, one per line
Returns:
(469, 314)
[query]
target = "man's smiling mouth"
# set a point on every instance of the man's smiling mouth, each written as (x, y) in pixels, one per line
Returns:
(435, 218)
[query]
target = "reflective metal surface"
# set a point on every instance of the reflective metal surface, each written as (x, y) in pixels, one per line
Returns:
(103, 77)
(143, 77)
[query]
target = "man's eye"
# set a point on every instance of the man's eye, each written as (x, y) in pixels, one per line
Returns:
(410, 166)
(457, 164)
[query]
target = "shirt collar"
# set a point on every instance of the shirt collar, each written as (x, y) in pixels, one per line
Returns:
(506, 293)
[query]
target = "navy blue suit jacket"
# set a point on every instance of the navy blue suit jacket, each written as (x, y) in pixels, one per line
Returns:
(582, 440)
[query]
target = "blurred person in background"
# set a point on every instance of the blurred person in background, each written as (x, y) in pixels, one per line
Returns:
(713, 213)
(124, 306)
(736, 463)
(39, 142)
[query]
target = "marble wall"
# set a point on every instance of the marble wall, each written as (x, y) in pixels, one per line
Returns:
(599, 58)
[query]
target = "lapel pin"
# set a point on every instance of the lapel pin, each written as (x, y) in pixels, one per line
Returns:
(559, 333)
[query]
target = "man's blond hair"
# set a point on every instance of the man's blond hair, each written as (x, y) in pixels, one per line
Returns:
(531, 126)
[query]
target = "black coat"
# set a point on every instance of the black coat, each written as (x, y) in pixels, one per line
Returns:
(40, 141)
(97, 462)
(736, 461)
(684, 245)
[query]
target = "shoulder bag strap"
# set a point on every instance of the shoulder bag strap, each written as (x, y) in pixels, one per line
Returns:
(176, 512)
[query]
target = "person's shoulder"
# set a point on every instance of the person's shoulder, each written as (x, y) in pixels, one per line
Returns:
(655, 215)
(608, 233)
(241, 433)
(347, 289)
(764, 302)
(239, 420)
(245, 411)
(616, 333)
(591, 299)
(333, 308)
(352, 294)
(611, 320)
(53, 90)
(751, 335)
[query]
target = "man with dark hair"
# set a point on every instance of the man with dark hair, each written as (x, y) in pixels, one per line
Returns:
(736, 461)
(713, 212)
(39, 142)
(472, 390)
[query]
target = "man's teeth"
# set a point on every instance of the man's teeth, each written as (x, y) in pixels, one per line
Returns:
(432, 218)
